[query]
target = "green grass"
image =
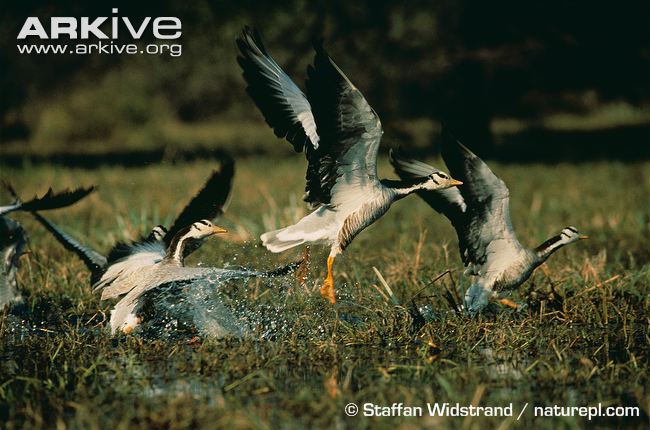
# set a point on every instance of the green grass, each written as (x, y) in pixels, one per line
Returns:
(582, 337)
(66, 128)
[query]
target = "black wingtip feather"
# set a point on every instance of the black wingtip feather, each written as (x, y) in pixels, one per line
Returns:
(210, 201)
(250, 40)
(326, 85)
(52, 200)
(58, 200)
(254, 61)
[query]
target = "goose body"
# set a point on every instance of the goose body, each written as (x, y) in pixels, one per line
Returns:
(150, 276)
(340, 134)
(479, 211)
(171, 270)
(108, 273)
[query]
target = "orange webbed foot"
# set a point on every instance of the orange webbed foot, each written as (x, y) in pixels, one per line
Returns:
(509, 303)
(327, 290)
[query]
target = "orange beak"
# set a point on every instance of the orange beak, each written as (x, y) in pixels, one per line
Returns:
(218, 230)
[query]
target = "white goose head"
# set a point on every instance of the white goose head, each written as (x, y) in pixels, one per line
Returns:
(191, 236)
(570, 235)
(439, 180)
(157, 233)
(567, 235)
(199, 231)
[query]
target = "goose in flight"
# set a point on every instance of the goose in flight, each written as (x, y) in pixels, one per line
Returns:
(479, 211)
(13, 237)
(340, 134)
(124, 259)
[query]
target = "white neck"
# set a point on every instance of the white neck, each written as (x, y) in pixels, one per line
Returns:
(176, 250)
(404, 188)
(403, 192)
(549, 247)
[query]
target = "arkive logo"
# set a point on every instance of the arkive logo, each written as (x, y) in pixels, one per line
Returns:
(100, 35)
(164, 28)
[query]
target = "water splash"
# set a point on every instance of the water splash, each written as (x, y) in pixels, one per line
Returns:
(216, 308)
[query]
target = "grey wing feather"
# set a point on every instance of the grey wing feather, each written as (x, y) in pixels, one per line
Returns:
(284, 106)
(480, 184)
(137, 265)
(407, 167)
(92, 259)
(487, 218)
(448, 201)
(349, 128)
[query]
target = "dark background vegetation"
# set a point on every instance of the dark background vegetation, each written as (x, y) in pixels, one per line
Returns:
(554, 79)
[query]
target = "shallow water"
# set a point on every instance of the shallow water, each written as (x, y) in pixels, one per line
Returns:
(215, 309)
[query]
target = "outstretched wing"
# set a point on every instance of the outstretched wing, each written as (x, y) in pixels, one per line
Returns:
(448, 201)
(163, 275)
(50, 200)
(350, 133)
(92, 259)
(486, 228)
(208, 203)
(284, 106)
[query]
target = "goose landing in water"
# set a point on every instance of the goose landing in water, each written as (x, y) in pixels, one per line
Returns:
(340, 134)
(479, 211)
(171, 270)
(149, 276)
